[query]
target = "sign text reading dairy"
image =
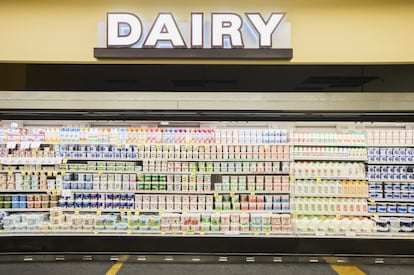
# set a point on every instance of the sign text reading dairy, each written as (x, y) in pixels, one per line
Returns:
(220, 30)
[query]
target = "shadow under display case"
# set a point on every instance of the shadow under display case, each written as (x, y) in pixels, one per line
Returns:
(287, 187)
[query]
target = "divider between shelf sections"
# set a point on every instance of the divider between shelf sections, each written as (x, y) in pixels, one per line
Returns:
(404, 181)
(326, 144)
(391, 163)
(329, 213)
(390, 145)
(329, 196)
(159, 211)
(410, 215)
(181, 159)
(145, 143)
(329, 158)
(373, 200)
(329, 178)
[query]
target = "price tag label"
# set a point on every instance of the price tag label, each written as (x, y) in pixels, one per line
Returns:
(185, 212)
(350, 234)
(77, 210)
(119, 145)
(161, 211)
(376, 216)
(66, 193)
(256, 232)
(162, 232)
(175, 231)
(231, 194)
(318, 180)
(129, 231)
(65, 160)
(320, 233)
(129, 212)
(100, 173)
(10, 173)
(202, 232)
(63, 173)
(98, 212)
(337, 215)
(96, 231)
(267, 232)
(252, 194)
(49, 173)
(216, 194)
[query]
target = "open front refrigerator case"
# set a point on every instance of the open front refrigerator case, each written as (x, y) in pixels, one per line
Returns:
(206, 187)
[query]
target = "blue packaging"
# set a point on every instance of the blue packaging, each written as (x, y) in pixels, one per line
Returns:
(404, 195)
(396, 196)
(388, 195)
(86, 204)
(78, 203)
(382, 208)
(373, 195)
(402, 208)
(88, 185)
(410, 208)
(372, 208)
(78, 196)
(22, 198)
(392, 208)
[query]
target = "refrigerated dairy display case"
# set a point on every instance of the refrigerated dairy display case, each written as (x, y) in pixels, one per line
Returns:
(215, 187)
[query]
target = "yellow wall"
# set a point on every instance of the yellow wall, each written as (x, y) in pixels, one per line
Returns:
(323, 31)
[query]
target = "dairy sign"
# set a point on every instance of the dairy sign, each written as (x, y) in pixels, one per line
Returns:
(251, 35)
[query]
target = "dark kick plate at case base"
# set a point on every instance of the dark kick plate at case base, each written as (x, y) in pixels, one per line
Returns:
(157, 53)
(204, 245)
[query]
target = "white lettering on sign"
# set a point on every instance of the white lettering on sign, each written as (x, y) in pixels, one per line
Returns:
(227, 30)
(226, 25)
(265, 29)
(116, 36)
(165, 29)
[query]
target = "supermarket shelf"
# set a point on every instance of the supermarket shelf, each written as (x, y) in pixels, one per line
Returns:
(71, 232)
(330, 144)
(170, 211)
(410, 215)
(174, 173)
(103, 159)
(143, 143)
(405, 181)
(175, 192)
(330, 213)
(25, 209)
(100, 171)
(390, 200)
(357, 235)
(213, 160)
(248, 234)
(167, 159)
(320, 195)
(23, 191)
(329, 177)
(30, 161)
(391, 163)
(341, 158)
